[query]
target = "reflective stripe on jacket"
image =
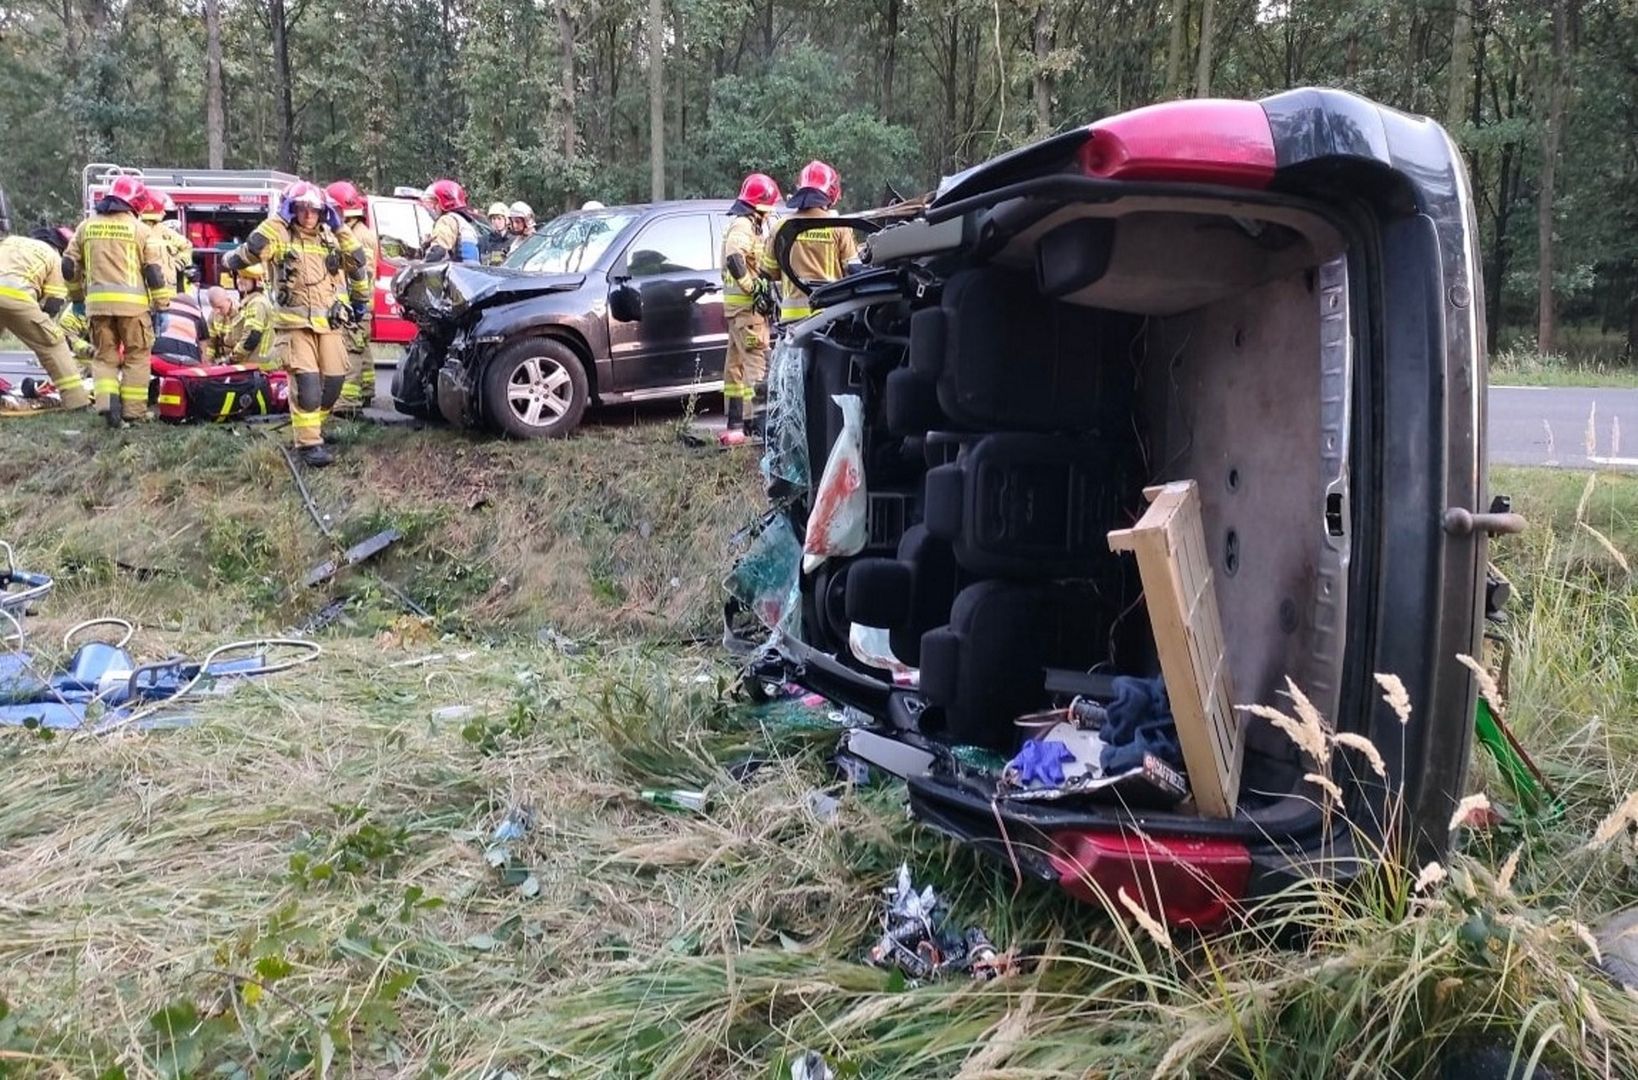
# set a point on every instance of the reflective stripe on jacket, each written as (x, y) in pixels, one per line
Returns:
(816, 255)
(301, 266)
(743, 238)
(110, 253)
(30, 270)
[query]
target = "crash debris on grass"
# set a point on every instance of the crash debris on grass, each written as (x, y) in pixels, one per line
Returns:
(918, 941)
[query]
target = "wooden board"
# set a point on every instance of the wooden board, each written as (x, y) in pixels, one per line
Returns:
(1170, 544)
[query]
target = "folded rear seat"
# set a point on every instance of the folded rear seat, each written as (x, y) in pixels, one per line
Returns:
(908, 595)
(988, 666)
(1031, 506)
(1003, 357)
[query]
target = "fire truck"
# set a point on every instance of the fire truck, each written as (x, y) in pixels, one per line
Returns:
(218, 208)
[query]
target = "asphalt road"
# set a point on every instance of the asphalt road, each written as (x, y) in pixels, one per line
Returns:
(1553, 426)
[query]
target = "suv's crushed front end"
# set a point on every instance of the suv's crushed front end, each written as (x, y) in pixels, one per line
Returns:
(1275, 300)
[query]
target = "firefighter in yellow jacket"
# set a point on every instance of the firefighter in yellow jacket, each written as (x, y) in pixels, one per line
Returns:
(170, 235)
(121, 269)
(817, 255)
(359, 389)
(32, 294)
(251, 336)
(304, 248)
(748, 302)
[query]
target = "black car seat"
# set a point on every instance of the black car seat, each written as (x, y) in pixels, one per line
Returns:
(988, 666)
(908, 595)
(1004, 357)
(1030, 506)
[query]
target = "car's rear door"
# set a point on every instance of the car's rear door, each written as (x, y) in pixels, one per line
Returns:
(680, 337)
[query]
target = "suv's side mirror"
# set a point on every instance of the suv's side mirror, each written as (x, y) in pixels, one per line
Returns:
(625, 302)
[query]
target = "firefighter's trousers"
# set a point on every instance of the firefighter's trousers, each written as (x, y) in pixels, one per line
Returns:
(317, 362)
(34, 328)
(747, 364)
(120, 364)
(359, 389)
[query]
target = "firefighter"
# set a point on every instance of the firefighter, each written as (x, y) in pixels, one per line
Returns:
(748, 301)
(120, 266)
(817, 254)
(251, 334)
(359, 389)
(304, 247)
(498, 216)
(155, 212)
(219, 322)
(521, 220)
(32, 295)
(454, 237)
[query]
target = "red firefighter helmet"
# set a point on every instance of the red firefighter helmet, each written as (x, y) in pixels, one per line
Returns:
(346, 197)
(759, 191)
(130, 191)
(447, 196)
(820, 177)
(156, 205)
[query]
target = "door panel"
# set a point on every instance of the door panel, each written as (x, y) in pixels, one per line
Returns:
(680, 337)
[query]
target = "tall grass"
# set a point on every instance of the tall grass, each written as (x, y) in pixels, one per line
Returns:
(306, 882)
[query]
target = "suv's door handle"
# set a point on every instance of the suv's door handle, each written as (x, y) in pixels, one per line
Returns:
(1459, 522)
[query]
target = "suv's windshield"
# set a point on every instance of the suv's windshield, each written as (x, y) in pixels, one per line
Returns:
(570, 243)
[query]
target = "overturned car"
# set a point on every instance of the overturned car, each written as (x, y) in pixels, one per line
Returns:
(1242, 340)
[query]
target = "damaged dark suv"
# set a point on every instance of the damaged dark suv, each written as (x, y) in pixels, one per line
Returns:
(1276, 301)
(606, 306)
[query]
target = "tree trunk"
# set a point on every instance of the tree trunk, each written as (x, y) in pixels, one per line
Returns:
(1461, 65)
(1041, 80)
(1174, 48)
(1547, 299)
(215, 120)
(283, 93)
(565, 37)
(656, 98)
(1202, 75)
(890, 59)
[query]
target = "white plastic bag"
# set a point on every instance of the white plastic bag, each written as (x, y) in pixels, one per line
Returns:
(836, 524)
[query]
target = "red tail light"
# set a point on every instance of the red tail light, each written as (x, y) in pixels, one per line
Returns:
(1204, 141)
(1192, 883)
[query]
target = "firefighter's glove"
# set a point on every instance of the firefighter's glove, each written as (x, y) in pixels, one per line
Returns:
(332, 262)
(340, 314)
(763, 299)
(361, 310)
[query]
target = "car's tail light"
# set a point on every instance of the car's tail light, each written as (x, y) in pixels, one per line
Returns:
(1184, 882)
(1205, 141)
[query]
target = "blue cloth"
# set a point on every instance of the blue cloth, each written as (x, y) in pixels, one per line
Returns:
(1042, 762)
(1139, 722)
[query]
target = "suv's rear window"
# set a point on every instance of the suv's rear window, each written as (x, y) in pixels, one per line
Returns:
(572, 242)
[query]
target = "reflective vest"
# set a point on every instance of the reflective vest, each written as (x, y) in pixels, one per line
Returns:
(30, 271)
(456, 235)
(109, 253)
(301, 271)
(180, 331)
(744, 239)
(816, 255)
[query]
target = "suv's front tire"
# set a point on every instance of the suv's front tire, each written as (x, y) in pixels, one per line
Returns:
(535, 389)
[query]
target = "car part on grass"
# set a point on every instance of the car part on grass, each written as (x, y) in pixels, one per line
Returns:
(322, 521)
(918, 941)
(767, 577)
(362, 551)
